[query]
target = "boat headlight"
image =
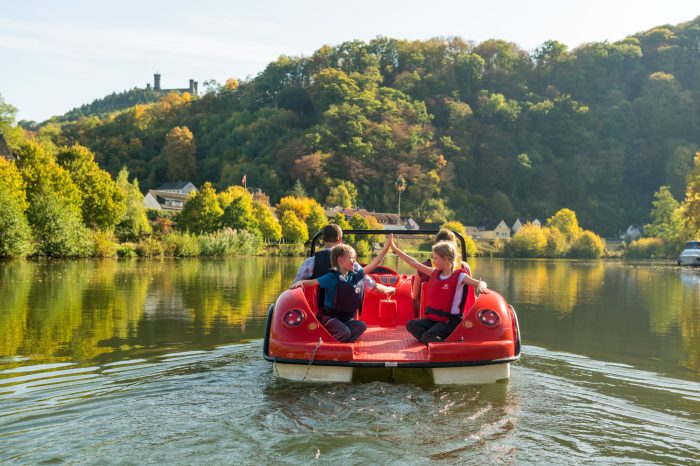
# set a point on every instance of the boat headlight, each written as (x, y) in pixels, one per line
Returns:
(488, 317)
(293, 318)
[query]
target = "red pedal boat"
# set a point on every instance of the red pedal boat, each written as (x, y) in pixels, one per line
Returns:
(479, 351)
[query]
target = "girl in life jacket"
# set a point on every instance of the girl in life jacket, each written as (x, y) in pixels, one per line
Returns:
(343, 292)
(444, 293)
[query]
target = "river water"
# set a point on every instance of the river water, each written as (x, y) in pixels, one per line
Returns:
(150, 362)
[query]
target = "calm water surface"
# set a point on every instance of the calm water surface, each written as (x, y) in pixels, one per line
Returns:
(160, 362)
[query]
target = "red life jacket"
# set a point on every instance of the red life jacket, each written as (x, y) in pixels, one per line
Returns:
(440, 295)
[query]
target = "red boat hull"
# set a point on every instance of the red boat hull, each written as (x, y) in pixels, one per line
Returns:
(487, 335)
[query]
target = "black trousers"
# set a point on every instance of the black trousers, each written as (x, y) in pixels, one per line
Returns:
(428, 331)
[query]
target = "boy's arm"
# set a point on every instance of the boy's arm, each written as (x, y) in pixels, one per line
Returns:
(369, 268)
(303, 283)
(387, 290)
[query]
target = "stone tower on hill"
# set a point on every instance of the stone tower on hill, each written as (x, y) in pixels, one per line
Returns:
(156, 86)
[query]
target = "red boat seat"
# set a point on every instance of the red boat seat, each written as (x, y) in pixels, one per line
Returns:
(311, 295)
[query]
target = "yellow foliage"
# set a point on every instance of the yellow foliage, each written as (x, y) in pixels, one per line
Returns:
(11, 177)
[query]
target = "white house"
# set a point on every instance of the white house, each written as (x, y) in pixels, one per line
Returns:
(518, 224)
(164, 200)
(500, 231)
(632, 233)
(169, 196)
(179, 187)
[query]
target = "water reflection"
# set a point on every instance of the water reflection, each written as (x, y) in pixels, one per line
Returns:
(609, 310)
(82, 310)
(112, 310)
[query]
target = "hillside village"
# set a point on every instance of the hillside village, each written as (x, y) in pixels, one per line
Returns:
(172, 197)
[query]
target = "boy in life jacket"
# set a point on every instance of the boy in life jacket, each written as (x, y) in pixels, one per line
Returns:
(343, 292)
(444, 293)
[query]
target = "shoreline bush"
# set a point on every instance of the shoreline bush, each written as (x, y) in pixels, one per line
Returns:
(646, 248)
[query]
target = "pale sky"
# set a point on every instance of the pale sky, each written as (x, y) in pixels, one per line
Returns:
(57, 55)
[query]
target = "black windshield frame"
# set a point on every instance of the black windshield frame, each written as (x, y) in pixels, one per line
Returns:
(397, 233)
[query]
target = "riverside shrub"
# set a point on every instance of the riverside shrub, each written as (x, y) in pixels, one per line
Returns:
(587, 245)
(229, 242)
(529, 241)
(179, 244)
(150, 247)
(104, 245)
(556, 242)
(646, 248)
(58, 227)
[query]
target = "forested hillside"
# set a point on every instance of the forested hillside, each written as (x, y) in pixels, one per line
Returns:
(485, 130)
(112, 103)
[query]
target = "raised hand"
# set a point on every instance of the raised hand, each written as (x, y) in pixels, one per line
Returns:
(391, 242)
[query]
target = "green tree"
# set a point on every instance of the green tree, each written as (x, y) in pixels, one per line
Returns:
(15, 233)
(267, 223)
(103, 203)
(317, 218)
(12, 181)
(202, 212)
(134, 222)
(565, 221)
(298, 190)
(691, 205)
(239, 213)
(293, 230)
(13, 134)
(343, 195)
(57, 226)
(43, 175)
(664, 205)
(179, 152)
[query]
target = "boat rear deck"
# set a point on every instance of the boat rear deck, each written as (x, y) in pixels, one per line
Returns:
(389, 344)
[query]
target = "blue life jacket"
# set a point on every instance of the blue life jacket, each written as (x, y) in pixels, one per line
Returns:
(347, 300)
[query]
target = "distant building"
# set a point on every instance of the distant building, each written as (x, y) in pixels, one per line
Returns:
(471, 231)
(633, 232)
(499, 231)
(180, 187)
(388, 220)
(5, 151)
(169, 196)
(259, 195)
(192, 89)
(518, 224)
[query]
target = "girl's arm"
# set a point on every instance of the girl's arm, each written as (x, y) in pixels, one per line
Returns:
(415, 286)
(411, 261)
(369, 268)
(303, 283)
(480, 285)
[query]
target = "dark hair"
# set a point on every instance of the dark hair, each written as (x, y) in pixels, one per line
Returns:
(445, 235)
(332, 233)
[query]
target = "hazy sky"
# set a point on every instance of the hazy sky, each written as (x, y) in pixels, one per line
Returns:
(57, 55)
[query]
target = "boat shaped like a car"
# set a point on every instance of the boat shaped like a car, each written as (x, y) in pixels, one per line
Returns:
(690, 254)
(480, 350)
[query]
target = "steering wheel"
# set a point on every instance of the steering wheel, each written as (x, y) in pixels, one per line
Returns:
(383, 270)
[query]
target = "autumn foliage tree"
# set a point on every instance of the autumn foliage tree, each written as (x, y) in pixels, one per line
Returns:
(179, 152)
